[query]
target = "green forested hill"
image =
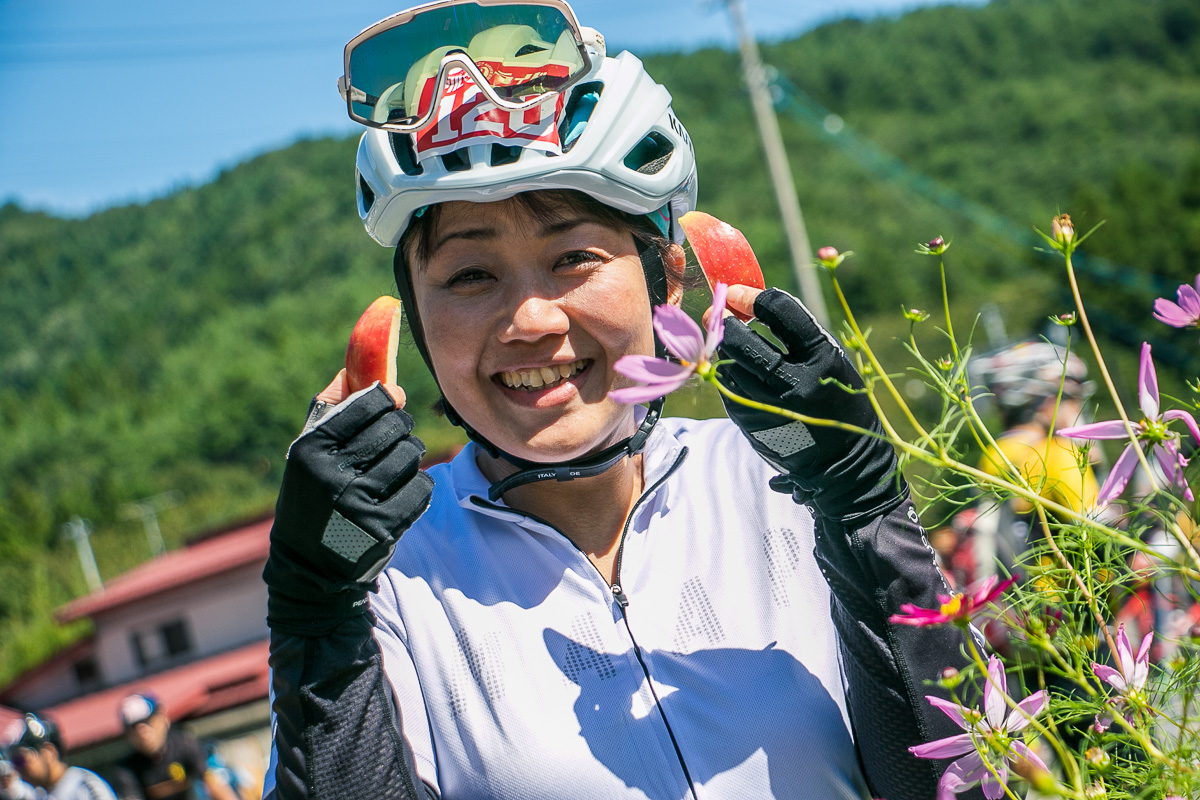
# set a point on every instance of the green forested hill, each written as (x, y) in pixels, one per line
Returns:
(174, 345)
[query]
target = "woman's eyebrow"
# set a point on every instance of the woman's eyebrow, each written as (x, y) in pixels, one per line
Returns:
(474, 234)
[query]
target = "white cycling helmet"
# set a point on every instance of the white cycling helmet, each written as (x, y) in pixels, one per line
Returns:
(620, 145)
(1022, 377)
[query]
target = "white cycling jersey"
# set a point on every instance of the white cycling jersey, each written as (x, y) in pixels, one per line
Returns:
(711, 668)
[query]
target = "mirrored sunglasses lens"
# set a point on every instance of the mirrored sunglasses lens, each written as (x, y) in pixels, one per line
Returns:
(521, 50)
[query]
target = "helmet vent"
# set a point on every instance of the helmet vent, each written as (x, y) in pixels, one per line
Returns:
(651, 154)
(406, 157)
(456, 161)
(502, 155)
(580, 106)
(368, 197)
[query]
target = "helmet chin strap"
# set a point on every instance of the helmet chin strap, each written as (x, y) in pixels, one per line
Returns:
(585, 467)
(533, 471)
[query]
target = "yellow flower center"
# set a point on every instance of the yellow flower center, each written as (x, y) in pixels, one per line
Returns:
(953, 607)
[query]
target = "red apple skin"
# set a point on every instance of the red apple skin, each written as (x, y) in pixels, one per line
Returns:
(723, 252)
(371, 354)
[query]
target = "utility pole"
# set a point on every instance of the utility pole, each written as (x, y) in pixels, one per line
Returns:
(147, 510)
(78, 531)
(777, 164)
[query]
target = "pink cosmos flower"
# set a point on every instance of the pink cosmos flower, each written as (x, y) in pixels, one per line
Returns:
(1152, 431)
(956, 608)
(1132, 671)
(1129, 677)
(992, 731)
(1183, 314)
(683, 339)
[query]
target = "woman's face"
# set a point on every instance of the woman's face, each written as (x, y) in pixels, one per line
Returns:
(524, 320)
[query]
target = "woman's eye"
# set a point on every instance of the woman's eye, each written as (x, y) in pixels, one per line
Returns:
(473, 276)
(577, 258)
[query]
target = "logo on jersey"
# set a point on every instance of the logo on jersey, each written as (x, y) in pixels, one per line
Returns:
(464, 115)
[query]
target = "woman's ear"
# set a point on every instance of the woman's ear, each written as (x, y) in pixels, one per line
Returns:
(679, 264)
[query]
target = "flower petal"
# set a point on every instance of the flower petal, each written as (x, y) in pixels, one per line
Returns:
(994, 789)
(1189, 302)
(647, 369)
(1188, 420)
(994, 692)
(1124, 652)
(1020, 717)
(1141, 663)
(952, 710)
(962, 774)
(1147, 384)
(1118, 476)
(642, 394)
(1172, 464)
(1171, 314)
(679, 333)
(1110, 676)
(716, 320)
(949, 747)
(1025, 753)
(1109, 429)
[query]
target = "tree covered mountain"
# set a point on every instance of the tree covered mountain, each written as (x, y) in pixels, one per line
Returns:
(174, 345)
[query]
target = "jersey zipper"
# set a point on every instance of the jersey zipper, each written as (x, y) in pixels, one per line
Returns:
(623, 603)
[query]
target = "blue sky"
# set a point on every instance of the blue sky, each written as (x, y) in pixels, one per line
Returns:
(108, 102)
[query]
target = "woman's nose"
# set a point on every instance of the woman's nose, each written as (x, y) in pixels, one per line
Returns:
(533, 318)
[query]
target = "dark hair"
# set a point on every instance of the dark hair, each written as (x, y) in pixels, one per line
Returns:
(548, 206)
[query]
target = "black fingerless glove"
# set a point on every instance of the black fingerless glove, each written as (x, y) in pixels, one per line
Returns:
(351, 487)
(844, 475)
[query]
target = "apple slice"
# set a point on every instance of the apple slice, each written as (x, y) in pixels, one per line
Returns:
(723, 252)
(371, 354)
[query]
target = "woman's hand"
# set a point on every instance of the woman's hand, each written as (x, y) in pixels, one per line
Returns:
(351, 487)
(846, 475)
(339, 389)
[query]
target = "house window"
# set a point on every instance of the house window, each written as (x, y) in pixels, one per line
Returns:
(165, 643)
(87, 672)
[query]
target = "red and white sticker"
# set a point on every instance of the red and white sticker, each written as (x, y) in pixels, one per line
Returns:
(465, 115)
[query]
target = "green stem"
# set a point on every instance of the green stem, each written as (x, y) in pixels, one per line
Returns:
(1079, 583)
(946, 307)
(878, 368)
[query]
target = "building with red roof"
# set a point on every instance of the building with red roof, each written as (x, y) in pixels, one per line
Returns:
(188, 626)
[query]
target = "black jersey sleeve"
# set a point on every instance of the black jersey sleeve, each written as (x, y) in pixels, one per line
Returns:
(872, 570)
(338, 733)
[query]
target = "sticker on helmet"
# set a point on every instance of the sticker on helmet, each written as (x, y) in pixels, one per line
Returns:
(464, 115)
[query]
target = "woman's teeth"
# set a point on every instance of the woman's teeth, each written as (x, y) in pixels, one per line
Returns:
(542, 376)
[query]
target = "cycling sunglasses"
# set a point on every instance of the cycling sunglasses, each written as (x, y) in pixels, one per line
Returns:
(517, 52)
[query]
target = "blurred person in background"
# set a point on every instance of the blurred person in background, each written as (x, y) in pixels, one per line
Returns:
(167, 763)
(38, 756)
(1025, 381)
(11, 785)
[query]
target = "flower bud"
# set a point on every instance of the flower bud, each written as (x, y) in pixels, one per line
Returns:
(1095, 792)
(1062, 229)
(1066, 320)
(829, 257)
(1098, 757)
(945, 363)
(934, 247)
(914, 314)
